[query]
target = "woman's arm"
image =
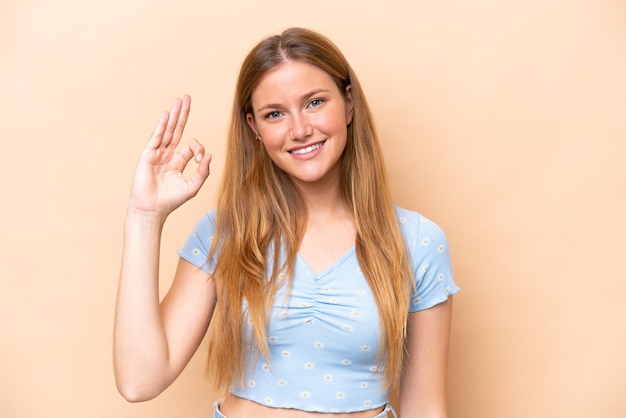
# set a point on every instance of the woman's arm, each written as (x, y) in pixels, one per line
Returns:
(423, 383)
(153, 342)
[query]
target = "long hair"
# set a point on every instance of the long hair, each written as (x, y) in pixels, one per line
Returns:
(260, 212)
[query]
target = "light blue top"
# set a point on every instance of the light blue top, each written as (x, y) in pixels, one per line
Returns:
(324, 343)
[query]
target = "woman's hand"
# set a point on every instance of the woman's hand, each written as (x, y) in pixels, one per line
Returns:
(159, 186)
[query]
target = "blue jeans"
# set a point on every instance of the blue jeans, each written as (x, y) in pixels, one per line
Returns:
(385, 414)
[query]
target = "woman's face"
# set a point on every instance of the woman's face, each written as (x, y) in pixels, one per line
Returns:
(302, 119)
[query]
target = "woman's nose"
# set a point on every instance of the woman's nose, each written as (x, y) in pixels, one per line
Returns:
(301, 127)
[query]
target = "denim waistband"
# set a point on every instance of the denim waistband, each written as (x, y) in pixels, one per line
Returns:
(216, 411)
(384, 414)
(387, 412)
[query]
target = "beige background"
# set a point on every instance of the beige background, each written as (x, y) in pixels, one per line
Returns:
(502, 121)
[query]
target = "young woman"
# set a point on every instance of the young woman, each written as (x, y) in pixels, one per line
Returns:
(318, 295)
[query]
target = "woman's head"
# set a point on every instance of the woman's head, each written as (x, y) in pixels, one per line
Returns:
(306, 46)
(302, 117)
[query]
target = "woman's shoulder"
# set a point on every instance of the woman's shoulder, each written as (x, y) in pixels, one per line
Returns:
(198, 244)
(204, 230)
(207, 220)
(417, 227)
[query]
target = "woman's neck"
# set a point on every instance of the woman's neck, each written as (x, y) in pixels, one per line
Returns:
(323, 198)
(329, 231)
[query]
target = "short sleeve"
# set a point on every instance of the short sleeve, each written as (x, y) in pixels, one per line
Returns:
(198, 244)
(430, 257)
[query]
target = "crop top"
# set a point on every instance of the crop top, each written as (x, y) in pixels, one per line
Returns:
(324, 343)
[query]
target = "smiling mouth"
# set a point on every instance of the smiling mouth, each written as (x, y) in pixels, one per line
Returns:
(308, 149)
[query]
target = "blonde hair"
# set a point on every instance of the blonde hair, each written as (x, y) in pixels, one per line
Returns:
(259, 209)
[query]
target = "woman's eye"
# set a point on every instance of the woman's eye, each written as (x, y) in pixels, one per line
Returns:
(272, 115)
(316, 102)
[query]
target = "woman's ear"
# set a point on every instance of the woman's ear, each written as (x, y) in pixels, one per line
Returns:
(252, 125)
(349, 105)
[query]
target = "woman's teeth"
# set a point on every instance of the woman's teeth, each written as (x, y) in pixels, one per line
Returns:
(307, 149)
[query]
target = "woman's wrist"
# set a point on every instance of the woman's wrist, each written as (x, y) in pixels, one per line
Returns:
(143, 218)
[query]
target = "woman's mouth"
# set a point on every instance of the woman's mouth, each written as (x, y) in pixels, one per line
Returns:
(308, 149)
